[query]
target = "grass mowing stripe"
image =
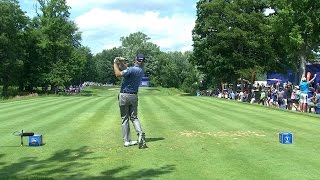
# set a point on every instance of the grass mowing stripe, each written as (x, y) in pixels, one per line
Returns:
(176, 142)
(14, 105)
(181, 120)
(270, 110)
(219, 113)
(89, 124)
(60, 121)
(28, 114)
(107, 129)
(239, 160)
(41, 120)
(164, 119)
(277, 125)
(233, 122)
(284, 149)
(258, 122)
(271, 153)
(151, 115)
(280, 117)
(238, 116)
(60, 137)
(14, 114)
(22, 101)
(204, 111)
(275, 120)
(69, 136)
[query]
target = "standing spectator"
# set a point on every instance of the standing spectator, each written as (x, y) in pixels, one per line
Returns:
(128, 98)
(268, 97)
(287, 96)
(317, 101)
(232, 95)
(295, 98)
(253, 97)
(304, 89)
(241, 94)
(311, 100)
(281, 101)
(262, 97)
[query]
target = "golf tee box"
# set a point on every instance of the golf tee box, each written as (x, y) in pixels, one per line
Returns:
(35, 140)
(285, 137)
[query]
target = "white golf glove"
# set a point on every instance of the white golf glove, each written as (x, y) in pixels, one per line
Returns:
(118, 59)
(122, 59)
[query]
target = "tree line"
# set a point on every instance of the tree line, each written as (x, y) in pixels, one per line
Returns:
(46, 51)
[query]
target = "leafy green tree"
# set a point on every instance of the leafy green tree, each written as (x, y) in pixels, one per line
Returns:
(231, 38)
(104, 65)
(175, 70)
(59, 39)
(81, 57)
(139, 43)
(90, 69)
(33, 64)
(191, 75)
(296, 25)
(171, 69)
(167, 74)
(12, 43)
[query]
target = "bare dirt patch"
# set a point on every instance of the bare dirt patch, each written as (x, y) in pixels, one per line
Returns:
(223, 134)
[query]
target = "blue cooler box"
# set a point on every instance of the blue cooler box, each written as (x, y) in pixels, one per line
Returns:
(285, 137)
(35, 140)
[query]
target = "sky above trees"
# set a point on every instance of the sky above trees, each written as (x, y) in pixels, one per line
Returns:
(103, 22)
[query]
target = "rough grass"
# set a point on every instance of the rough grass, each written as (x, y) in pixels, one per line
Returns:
(188, 138)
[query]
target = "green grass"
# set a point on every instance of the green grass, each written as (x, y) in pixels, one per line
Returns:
(188, 138)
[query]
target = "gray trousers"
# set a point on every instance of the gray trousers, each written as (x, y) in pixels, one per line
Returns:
(128, 104)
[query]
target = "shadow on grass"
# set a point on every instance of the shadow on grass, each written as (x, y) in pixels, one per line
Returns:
(72, 164)
(140, 174)
(151, 89)
(154, 139)
(186, 94)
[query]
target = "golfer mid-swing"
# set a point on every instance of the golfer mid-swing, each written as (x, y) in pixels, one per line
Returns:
(128, 98)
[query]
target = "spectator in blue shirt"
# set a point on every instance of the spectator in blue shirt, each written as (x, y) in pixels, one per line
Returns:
(304, 89)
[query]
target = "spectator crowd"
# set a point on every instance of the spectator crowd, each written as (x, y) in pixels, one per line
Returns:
(279, 95)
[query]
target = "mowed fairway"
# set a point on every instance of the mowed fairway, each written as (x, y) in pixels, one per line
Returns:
(188, 138)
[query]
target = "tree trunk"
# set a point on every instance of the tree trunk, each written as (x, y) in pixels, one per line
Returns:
(222, 86)
(253, 77)
(242, 85)
(303, 62)
(235, 87)
(5, 88)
